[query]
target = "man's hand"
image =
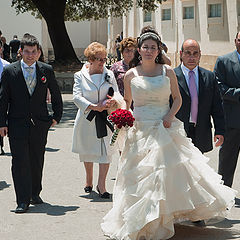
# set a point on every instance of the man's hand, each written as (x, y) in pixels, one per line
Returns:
(54, 122)
(218, 139)
(3, 131)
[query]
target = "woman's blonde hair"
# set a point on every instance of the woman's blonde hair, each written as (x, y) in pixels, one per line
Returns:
(93, 49)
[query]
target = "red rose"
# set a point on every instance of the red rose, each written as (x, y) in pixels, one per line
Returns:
(44, 80)
(121, 117)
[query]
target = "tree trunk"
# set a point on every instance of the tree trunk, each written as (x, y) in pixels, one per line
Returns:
(53, 13)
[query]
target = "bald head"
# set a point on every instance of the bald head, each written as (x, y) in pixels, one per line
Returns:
(190, 42)
(190, 53)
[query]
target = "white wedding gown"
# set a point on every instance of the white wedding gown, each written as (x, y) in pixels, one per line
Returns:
(162, 178)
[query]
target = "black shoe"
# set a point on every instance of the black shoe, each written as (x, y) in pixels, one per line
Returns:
(88, 189)
(105, 195)
(2, 152)
(21, 208)
(36, 200)
(199, 223)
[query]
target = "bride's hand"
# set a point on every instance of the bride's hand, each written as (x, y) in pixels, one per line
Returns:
(167, 121)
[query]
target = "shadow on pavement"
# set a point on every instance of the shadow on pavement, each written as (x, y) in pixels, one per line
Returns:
(237, 202)
(227, 223)
(69, 114)
(6, 155)
(95, 197)
(4, 185)
(198, 233)
(49, 149)
(53, 210)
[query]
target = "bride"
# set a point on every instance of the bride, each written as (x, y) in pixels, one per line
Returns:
(162, 178)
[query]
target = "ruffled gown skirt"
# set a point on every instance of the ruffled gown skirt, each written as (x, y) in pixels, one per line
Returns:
(162, 179)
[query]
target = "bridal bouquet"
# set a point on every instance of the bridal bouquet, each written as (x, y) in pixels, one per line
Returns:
(120, 118)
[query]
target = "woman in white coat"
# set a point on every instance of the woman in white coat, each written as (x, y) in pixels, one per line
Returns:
(91, 93)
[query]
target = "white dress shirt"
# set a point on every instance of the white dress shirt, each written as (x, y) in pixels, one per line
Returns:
(25, 72)
(3, 63)
(185, 71)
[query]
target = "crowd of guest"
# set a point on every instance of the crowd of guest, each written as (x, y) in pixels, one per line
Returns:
(197, 96)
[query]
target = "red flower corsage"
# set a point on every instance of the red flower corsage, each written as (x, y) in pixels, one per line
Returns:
(43, 79)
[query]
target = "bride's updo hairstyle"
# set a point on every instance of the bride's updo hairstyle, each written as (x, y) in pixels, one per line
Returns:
(147, 33)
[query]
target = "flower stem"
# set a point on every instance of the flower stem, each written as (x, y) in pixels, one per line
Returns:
(114, 136)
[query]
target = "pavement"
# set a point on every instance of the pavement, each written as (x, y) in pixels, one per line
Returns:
(70, 214)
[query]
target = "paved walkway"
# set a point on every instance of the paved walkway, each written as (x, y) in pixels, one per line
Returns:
(69, 213)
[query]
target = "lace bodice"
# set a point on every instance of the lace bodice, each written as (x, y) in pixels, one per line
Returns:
(150, 96)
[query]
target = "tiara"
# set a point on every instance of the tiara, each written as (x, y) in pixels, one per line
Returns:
(149, 34)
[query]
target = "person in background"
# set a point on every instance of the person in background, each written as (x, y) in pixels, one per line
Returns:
(201, 99)
(227, 70)
(14, 46)
(95, 90)
(3, 63)
(127, 49)
(6, 49)
(119, 38)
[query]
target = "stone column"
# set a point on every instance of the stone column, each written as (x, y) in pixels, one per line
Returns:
(232, 15)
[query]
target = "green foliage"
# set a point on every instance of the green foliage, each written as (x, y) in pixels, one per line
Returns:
(76, 10)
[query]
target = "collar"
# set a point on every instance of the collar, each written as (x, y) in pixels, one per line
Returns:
(24, 65)
(186, 70)
(238, 54)
(85, 71)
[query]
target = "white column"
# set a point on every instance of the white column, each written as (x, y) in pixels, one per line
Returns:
(232, 15)
(203, 24)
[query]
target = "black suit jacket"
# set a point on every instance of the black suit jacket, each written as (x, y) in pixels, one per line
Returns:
(18, 109)
(209, 105)
(227, 70)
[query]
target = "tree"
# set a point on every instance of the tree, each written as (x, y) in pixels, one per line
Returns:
(56, 12)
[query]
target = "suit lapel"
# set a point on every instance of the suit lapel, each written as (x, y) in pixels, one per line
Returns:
(182, 80)
(39, 74)
(20, 77)
(235, 65)
(201, 83)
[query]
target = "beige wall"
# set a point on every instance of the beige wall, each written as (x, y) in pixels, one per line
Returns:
(11, 23)
(215, 35)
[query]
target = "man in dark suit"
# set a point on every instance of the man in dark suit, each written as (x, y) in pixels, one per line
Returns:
(3, 63)
(25, 119)
(227, 70)
(200, 99)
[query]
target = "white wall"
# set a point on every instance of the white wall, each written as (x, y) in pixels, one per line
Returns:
(13, 24)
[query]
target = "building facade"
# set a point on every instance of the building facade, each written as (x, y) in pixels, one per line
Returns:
(213, 23)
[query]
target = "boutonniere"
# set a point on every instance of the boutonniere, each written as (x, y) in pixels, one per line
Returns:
(43, 79)
(108, 78)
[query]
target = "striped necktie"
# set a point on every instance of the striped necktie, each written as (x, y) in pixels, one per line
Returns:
(30, 80)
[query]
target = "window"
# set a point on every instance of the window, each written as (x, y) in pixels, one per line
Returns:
(214, 10)
(188, 12)
(147, 16)
(166, 14)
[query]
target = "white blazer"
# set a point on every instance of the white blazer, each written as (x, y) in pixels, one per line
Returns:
(85, 92)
